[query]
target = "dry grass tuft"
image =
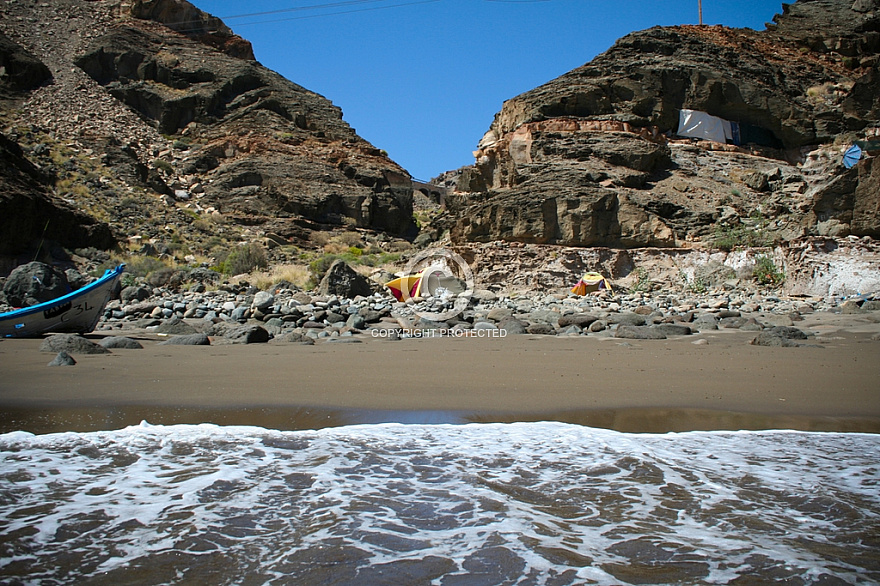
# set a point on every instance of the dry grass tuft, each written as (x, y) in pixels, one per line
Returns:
(293, 273)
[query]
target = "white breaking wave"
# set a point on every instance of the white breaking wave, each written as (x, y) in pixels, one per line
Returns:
(522, 503)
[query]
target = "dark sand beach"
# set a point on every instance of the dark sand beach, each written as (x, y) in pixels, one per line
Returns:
(678, 384)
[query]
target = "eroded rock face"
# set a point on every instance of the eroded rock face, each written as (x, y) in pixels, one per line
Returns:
(265, 146)
(866, 200)
(588, 158)
(29, 212)
(813, 267)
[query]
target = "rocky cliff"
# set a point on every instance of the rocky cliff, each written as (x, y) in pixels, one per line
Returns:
(591, 158)
(156, 122)
(150, 121)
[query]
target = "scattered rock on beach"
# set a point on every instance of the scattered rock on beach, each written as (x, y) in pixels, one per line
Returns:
(784, 336)
(542, 329)
(582, 320)
(62, 359)
(175, 326)
(120, 342)
(513, 326)
(851, 306)
(673, 329)
(627, 319)
(263, 300)
(187, 340)
(72, 344)
(639, 332)
(247, 334)
(134, 294)
(294, 338)
(705, 322)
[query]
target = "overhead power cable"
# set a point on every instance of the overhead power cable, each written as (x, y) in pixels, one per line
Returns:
(352, 11)
(301, 8)
(198, 25)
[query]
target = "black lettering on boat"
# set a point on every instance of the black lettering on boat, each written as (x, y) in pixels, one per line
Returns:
(56, 311)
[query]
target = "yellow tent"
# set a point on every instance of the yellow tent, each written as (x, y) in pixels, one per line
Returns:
(591, 282)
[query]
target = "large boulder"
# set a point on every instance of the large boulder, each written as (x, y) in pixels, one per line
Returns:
(21, 70)
(35, 283)
(344, 281)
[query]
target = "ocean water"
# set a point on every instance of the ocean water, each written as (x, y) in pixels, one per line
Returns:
(476, 504)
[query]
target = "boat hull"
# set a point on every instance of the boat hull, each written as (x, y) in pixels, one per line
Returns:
(77, 312)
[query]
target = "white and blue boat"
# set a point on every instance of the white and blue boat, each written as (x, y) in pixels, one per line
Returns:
(76, 312)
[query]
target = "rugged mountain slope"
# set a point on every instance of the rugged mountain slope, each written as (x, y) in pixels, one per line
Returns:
(157, 122)
(587, 159)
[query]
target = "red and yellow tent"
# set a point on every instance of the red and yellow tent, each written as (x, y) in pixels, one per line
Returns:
(405, 287)
(432, 281)
(590, 283)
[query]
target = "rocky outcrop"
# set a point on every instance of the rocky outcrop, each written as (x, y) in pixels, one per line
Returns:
(849, 29)
(29, 211)
(19, 70)
(263, 145)
(184, 18)
(590, 158)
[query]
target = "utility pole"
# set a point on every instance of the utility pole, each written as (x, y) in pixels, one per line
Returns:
(701, 11)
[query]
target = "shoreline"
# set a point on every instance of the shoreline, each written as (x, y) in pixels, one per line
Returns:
(41, 421)
(721, 382)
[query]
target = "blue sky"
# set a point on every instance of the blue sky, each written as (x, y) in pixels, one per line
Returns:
(423, 79)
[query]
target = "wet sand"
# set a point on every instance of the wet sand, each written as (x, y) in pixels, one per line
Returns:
(628, 385)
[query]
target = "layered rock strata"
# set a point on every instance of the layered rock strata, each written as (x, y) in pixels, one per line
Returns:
(591, 158)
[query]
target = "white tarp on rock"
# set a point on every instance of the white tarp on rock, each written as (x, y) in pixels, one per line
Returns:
(696, 124)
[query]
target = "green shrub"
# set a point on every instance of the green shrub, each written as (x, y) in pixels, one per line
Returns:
(320, 265)
(141, 266)
(643, 282)
(127, 280)
(164, 277)
(698, 285)
(388, 258)
(163, 165)
(728, 238)
(245, 259)
(349, 238)
(767, 273)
